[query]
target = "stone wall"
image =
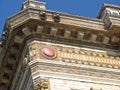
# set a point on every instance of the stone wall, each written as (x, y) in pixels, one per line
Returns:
(59, 84)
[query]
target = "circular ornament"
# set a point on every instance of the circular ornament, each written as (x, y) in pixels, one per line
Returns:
(48, 52)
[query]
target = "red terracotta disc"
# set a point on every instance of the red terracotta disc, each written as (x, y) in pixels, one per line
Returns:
(48, 52)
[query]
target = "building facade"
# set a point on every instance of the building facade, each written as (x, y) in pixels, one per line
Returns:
(42, 49)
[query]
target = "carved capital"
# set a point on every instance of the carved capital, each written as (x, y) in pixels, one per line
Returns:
(42, 85)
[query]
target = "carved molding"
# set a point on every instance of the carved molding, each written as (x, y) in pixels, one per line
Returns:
(75, 71)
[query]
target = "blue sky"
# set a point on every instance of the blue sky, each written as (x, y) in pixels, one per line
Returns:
(88, 8)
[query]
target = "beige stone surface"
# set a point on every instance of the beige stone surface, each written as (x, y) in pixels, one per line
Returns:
(59, 84)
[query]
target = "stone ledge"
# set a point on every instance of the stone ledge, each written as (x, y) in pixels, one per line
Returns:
(73, 77)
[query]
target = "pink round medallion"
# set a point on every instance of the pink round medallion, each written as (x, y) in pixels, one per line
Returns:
(48, 52)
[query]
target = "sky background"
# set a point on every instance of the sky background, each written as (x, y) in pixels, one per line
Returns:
(88, 8)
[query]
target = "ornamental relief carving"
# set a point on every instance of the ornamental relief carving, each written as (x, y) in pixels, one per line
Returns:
(72, 55)
(42, 85)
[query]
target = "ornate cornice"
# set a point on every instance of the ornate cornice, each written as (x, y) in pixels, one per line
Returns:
(47, 25)
(31, 13)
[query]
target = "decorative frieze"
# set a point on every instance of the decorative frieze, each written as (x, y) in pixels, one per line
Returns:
(88, 58)
(73, 55)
